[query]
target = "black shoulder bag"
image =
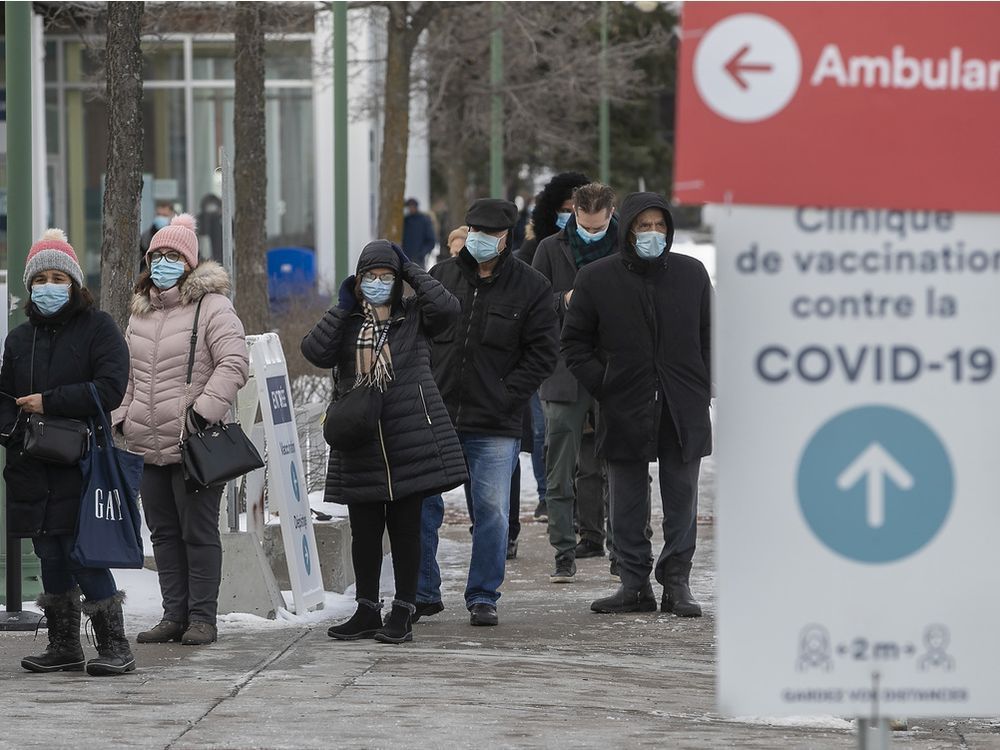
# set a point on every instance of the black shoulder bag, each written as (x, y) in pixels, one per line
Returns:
(217, 453)
(352, 420)
(57, 440)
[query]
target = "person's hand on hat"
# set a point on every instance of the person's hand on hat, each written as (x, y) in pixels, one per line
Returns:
(404, 262)
(345, 297)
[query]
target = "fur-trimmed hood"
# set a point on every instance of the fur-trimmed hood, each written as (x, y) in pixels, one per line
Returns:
(208, 277)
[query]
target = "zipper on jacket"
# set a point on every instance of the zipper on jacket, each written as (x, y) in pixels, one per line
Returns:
(424, 402)
(152, 385)
(385, 457)
(465, 350)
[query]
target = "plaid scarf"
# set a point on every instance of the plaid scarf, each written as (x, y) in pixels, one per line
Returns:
(584, 253)
(376, 322)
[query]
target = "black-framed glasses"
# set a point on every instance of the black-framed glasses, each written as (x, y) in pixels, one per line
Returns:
(387, 277)
(172, 255)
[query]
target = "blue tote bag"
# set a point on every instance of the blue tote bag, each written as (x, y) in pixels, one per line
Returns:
(108, 532)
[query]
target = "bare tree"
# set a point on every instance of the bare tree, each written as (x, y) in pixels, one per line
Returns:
(123, 185)
(405, 23)
(250, 169)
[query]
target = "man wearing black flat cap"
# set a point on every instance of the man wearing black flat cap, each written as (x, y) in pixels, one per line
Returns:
(487, 365)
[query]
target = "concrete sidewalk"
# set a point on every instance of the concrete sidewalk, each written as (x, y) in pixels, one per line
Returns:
(551, 675)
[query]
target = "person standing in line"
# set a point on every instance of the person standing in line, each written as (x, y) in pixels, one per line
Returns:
(637, 336)
(415, 453)
(419, 237)
(49, 363)
(591, 233)
(553, 208)
(487, 365)
(154, 418)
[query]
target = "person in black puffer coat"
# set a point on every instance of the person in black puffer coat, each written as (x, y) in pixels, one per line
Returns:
(416, 453)
(49, 363)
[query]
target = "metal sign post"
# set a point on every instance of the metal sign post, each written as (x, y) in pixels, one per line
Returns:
(229, 262)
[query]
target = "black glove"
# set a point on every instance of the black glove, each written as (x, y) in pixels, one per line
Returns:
(403, 260)
(345, 297)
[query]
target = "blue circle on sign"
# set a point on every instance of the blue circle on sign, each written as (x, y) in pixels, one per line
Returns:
(875, 484)
(295, 481)
(306, 557)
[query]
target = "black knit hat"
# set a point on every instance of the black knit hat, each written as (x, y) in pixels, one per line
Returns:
(492, 214)
(378, 254)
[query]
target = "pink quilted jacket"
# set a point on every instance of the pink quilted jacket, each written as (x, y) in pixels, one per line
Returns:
(159, 339)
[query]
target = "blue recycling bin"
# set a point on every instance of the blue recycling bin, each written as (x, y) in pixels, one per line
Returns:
(291, 272)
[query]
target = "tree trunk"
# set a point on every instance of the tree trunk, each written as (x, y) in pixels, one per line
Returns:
(250, 170)
(396, 126)
(123, 181)
(456, 172)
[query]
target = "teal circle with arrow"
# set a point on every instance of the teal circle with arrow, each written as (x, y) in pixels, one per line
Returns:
(875, 484)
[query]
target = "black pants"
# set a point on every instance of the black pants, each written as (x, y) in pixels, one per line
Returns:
(187, 546)
(628, 483)
(368, 522)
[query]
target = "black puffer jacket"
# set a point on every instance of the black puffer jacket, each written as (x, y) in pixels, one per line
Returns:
(77, 346)
(504, 344)
(637, 333)
(422, 455)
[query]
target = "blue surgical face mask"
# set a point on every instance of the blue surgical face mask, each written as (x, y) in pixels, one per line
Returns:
(589, 238)
(650, 245)
(377, 292)
(483, 247)
(50, 298)
(165, 273)
(562, 219)
(159, 222)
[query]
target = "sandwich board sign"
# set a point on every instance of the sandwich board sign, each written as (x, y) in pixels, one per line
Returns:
(286, 478)
(856, 358)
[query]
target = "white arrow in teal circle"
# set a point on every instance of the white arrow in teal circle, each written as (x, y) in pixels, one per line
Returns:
(876, 465)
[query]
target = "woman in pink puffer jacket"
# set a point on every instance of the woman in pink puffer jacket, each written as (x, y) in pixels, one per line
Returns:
(184, 523)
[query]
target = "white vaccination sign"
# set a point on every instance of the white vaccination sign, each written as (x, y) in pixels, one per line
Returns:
(286, 480)
(856, 358)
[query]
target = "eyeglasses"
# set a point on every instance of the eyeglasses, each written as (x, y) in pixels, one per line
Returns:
(387, 277)
(172, 255)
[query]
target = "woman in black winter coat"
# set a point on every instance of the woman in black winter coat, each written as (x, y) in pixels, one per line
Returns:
(415, 453)
(49, 363)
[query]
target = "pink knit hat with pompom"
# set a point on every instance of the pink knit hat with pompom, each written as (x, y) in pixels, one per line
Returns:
(52, 252)
(179, 235)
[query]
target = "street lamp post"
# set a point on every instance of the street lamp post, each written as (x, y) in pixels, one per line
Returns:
(340, 125)
(604, 113)
(496, 113)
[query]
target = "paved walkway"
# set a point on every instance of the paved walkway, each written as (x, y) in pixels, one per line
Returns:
(551, 675)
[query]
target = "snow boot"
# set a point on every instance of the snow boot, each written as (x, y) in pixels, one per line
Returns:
(677, 596)
(64, 652)
(113, 653)
(363, 623)
(426, 609)
(627, 600)
(163, 632)
(398, 626)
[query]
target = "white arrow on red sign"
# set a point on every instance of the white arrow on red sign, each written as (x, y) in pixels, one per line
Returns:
(736, 67)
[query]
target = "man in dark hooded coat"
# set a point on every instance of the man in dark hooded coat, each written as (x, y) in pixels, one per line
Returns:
(637, 336)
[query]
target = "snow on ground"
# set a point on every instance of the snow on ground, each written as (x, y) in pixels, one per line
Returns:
(809, 722)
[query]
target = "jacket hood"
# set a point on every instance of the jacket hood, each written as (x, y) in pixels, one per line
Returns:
(208, 277)
(378, 254)
(633, 205)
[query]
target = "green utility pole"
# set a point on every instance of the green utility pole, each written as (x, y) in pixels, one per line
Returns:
(21, 573)
(341, 256)
(496, 115)
(604, 114)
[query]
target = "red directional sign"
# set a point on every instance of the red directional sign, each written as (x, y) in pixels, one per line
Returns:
(880, 105)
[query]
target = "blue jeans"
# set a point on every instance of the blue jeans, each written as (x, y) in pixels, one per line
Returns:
(538, 444)
(60, 572)
(491, 462)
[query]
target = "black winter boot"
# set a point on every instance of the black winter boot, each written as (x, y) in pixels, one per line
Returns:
(113, 653)
(627, 600)
(363, 623)
(677, 596)
(64, 652)
(398, 626)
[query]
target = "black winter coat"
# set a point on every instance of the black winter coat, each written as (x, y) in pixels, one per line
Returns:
(419, 453)
(504, 344)
(637, 333)
(73, 348)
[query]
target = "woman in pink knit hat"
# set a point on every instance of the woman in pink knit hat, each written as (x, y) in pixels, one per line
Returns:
(49, 364)
(156, 413)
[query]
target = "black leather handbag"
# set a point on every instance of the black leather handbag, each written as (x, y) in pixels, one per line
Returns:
(352, 420)
(213, 454)
(57, 440)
